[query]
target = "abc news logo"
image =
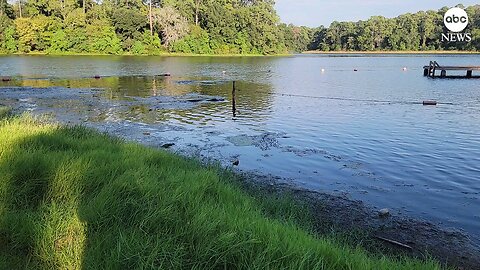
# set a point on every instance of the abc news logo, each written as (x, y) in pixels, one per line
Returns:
(456, 20)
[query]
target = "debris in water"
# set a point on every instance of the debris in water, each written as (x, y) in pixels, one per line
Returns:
(194, 100)
(430, 103)
(216, 99)
(394, 242)
(167, 145)
(384, 212)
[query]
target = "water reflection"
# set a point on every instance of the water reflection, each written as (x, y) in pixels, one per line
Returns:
(254, 100)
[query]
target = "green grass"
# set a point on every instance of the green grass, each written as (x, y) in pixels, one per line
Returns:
(4, 111)
(72, 198)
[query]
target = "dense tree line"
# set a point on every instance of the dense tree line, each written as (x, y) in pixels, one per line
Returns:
(207, 27)
(419, 31)
(147, 27)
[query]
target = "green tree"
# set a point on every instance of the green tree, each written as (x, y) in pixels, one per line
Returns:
(170, 24)
(8, 40)
(101, 38)
(59, 42)
(129, 24)
(27, 38)
(198, 42)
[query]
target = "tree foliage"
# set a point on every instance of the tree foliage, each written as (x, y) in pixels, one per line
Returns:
(113, 27)
(419, 31)
(207, 27)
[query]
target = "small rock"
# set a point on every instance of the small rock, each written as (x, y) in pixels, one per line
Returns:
(167, 145)
(236, 162)
(384, 212)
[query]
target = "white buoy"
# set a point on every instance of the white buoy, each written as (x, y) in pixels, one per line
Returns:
(404, 69)
(323, 70)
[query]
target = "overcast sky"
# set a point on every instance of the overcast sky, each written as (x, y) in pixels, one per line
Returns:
(323, 12)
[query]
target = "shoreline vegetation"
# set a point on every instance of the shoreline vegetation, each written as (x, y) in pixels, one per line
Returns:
(393, 52)
(199, 27)
(159, 54)
(74, 198)
(167, 54)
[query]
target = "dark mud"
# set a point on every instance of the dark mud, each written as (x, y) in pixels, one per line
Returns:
(91, 108)
(341, 215)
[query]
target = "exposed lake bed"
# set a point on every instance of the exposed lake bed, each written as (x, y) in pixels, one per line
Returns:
(315, 132)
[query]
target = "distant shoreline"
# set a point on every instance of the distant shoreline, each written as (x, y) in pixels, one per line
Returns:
(129, 54)
(391, 52)
(256, 55)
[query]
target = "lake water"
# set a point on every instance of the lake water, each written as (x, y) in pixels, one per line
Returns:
(362, 134)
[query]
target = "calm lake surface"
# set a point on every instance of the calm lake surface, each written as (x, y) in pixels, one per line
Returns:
(361, 134)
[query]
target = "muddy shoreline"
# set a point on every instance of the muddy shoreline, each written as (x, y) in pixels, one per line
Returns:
(88, 107)
(339, 214)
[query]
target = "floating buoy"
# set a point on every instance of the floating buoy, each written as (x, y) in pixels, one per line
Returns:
(355, 70)
(323, 70)
(430, 103)
(404, 69)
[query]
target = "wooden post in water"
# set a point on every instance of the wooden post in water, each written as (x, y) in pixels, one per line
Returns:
(469, 73)
(443, 73)
(234, 100)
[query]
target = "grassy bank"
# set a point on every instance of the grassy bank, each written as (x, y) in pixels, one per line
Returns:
(72, 198)
(4, 111)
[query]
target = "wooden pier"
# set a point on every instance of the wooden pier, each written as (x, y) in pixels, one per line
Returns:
(433, 67)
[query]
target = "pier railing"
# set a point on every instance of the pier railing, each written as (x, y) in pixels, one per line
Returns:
(431, 71)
